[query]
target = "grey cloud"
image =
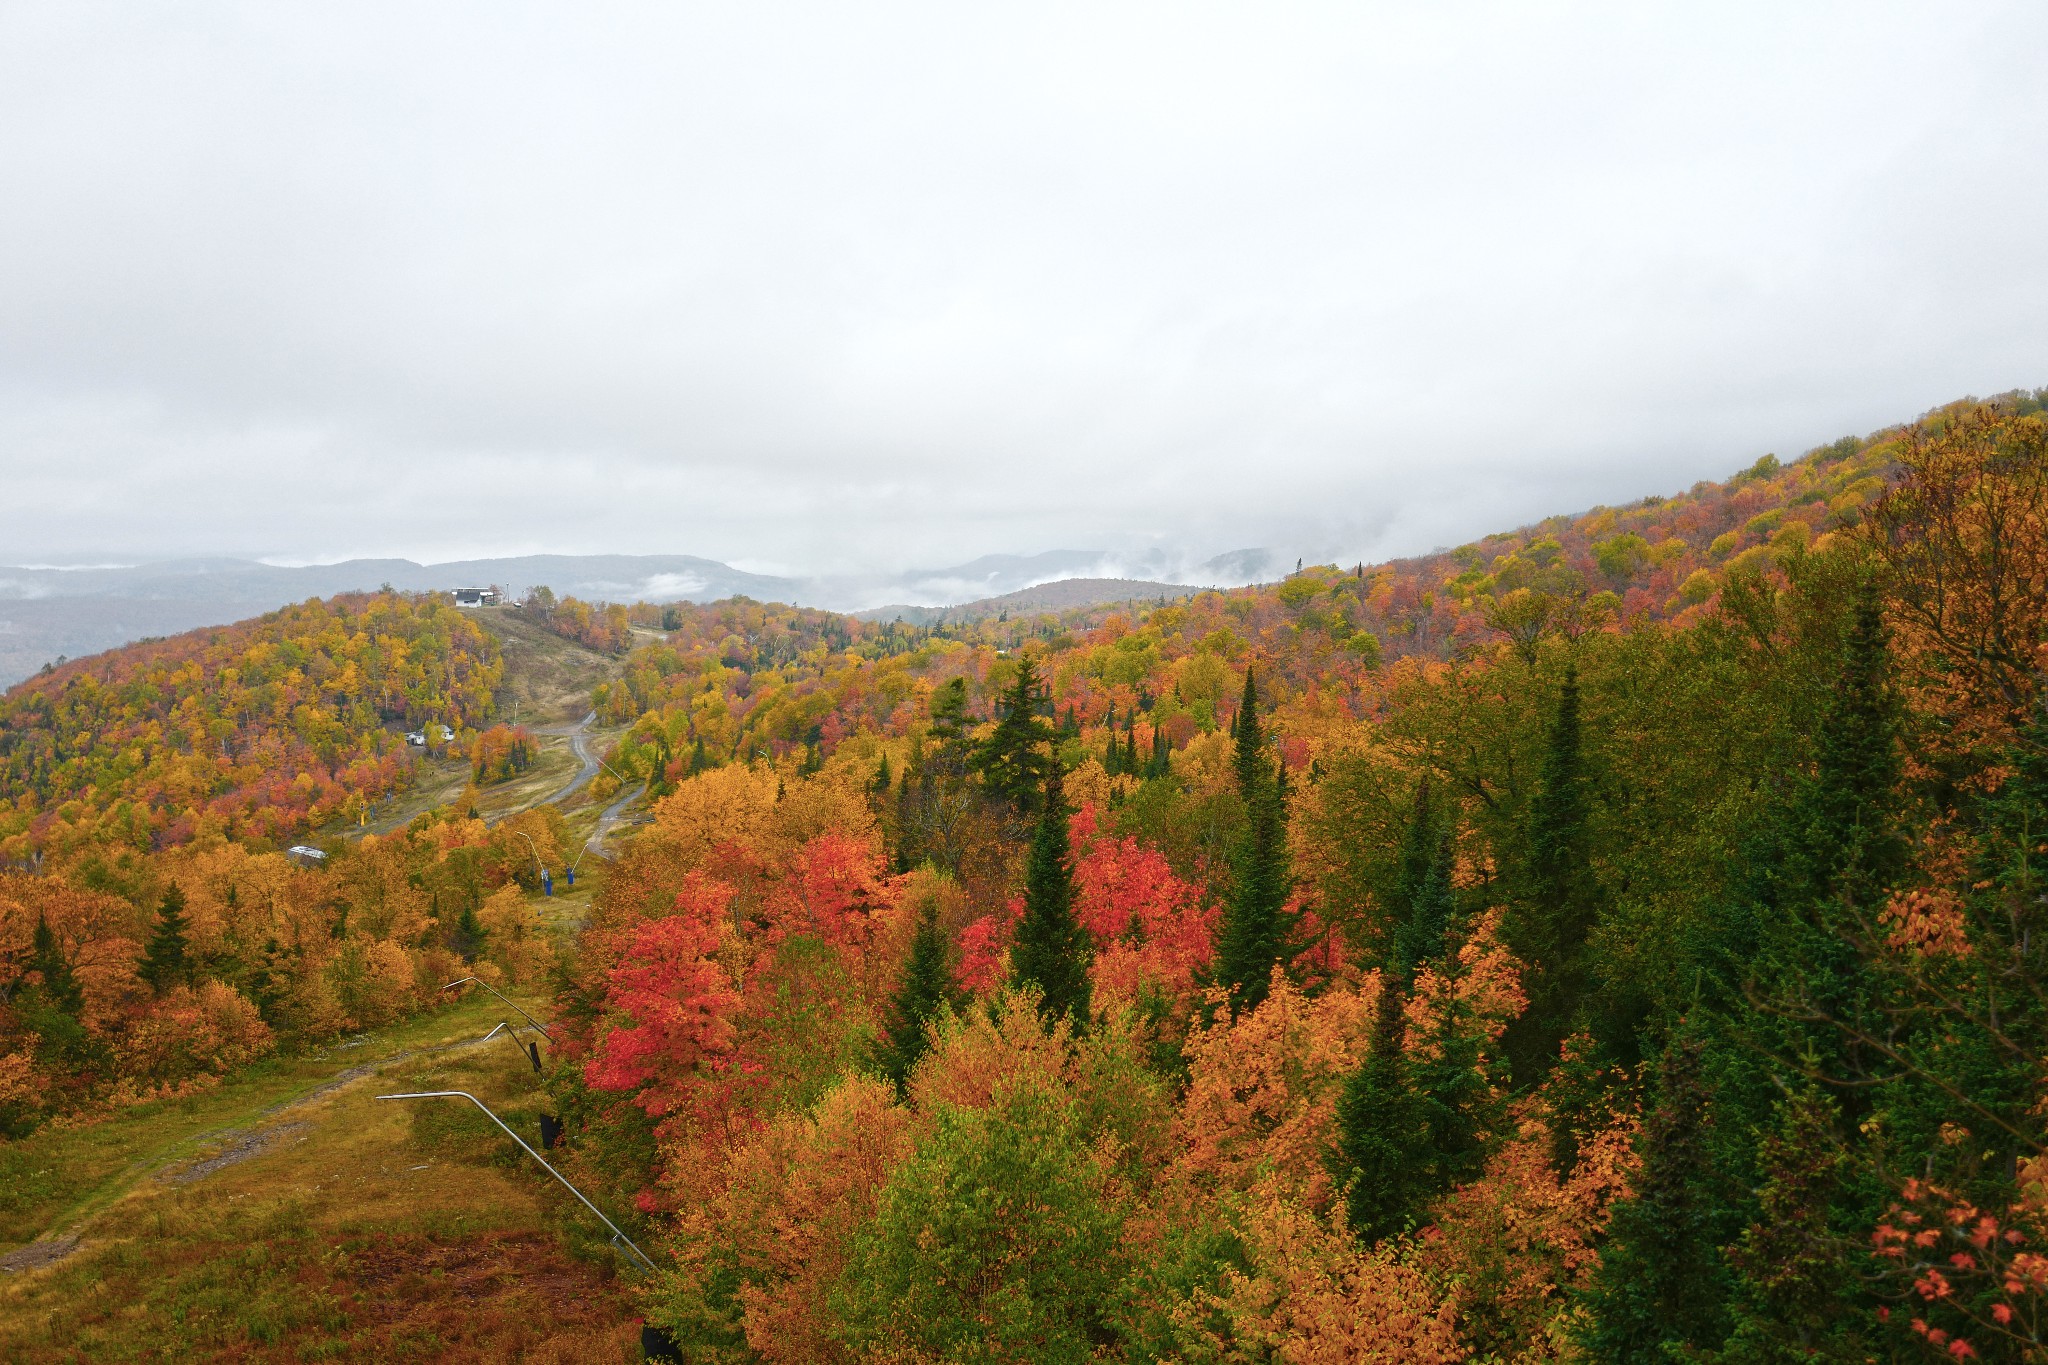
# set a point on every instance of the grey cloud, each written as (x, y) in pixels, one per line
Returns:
(850, 290)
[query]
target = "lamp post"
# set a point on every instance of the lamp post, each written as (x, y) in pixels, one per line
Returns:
(618, 1238)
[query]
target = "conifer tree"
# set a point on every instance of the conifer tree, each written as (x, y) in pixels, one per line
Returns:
(1253, 936)
(1011, 761)
(59, 988)
(1051, 949)
(1822, 891)
(1424, 900)
(657, 767)
(51, 1008)
(468, 939)
(1548, 927)
(949, 712)
(1851, 847)
(1130, 764)
(164, 963)
(927, 985)
(1409, 1127)
(1793, 1285)
(1661, 1285)
(1382, 1133)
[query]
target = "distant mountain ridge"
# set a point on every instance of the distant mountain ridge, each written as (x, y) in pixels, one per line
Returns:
(47, 612)
(1065, 594)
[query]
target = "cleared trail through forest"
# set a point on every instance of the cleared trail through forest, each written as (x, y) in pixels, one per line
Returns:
(613, 813)
(579, 744)
(236, 1134)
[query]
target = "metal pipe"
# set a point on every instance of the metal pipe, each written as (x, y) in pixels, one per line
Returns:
(537, 865)
(530, 1051)
(617, 1235)
(501, 995)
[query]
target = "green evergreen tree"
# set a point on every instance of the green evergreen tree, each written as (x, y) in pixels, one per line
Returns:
(1411, 1126)
(1382, 1134)
(1793, 1292)
(949, 712)
(1818, 893)
(165, 962)
(469, 935)
(909, 834)
(1547, 927)
(1014, 760)
(657, 767)
(59, 986)
(1661, 1284)
(1130, 755)
(926, 987)
(52, 1006)
(1425, 903)
(1051, 949)
(1252, 939)
(1852, 846)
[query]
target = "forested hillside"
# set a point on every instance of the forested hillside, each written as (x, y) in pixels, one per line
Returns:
(1608, 941)
(252, 731)
(1613, 941)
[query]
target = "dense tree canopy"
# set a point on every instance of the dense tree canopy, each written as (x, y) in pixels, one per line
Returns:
(1615, 940)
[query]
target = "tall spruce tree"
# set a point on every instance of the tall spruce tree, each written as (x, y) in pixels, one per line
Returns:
(1851, 848)
(1381, 1152)
(165, 962)
(1788, 990)
(1661, 1284)
(1253, 937)
(51, 1008)
(1424, 901)
(949, 712)
(1548, 925)
(1051, 949)
(926, 988)
(1015, 758)
(59, 986)
(1411, 1126)
(1823, 1000)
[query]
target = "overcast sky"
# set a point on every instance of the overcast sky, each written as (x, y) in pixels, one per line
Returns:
(835, 287)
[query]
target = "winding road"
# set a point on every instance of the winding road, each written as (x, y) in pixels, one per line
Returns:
(579, 744)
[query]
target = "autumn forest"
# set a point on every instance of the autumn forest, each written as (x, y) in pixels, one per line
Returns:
(1609, 940)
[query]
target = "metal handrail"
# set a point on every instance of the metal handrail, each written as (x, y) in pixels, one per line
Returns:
(501, 995)
(618, 1237)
